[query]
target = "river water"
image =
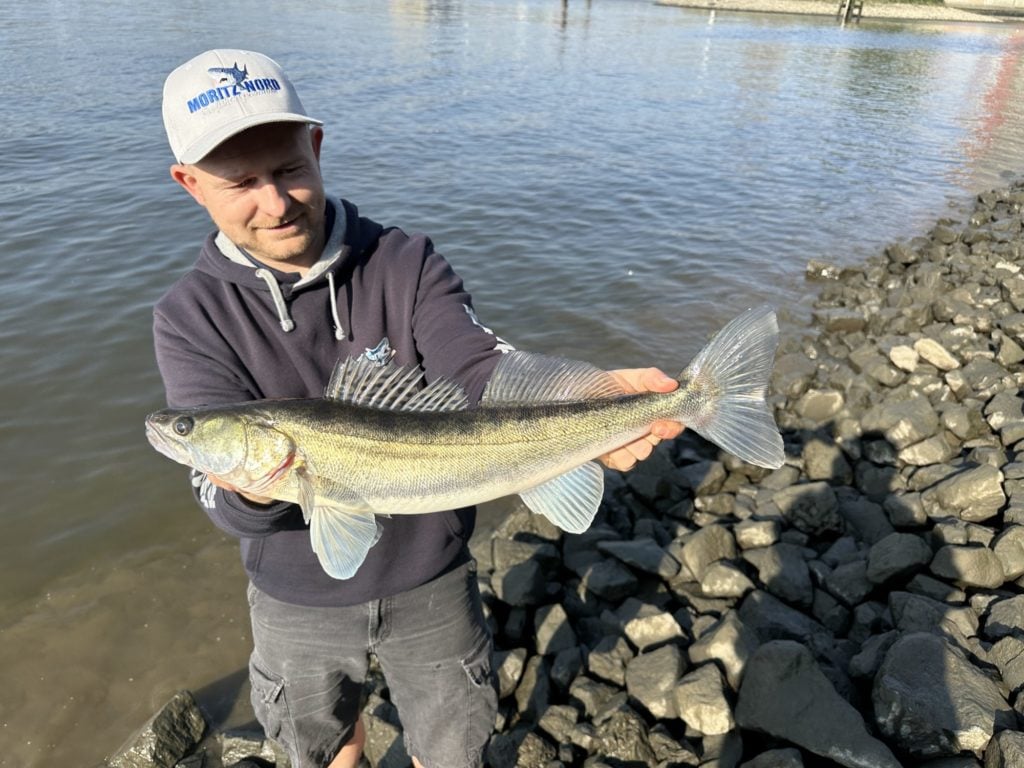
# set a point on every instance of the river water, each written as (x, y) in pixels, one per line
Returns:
(614, 180)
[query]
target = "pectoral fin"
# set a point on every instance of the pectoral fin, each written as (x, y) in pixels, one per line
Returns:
(341, 527)
(570, 500)
(341, 538)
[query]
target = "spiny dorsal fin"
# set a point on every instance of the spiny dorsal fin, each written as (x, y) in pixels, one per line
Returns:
(358, 381)
(526, 377)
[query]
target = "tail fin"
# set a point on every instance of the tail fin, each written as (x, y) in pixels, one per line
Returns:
(736, 366)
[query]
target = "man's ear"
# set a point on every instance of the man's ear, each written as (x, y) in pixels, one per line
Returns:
(184, 175)
(316, 137)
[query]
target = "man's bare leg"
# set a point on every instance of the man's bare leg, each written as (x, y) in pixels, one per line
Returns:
(353, 750)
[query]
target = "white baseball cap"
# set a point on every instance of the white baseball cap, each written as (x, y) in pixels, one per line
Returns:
(219, 93)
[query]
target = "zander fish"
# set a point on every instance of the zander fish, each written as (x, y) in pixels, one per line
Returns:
(380, 443)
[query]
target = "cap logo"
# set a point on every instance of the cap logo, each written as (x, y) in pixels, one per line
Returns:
(222, 75)
(229, 83)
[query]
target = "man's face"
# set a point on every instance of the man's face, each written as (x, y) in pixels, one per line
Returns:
(263, 189)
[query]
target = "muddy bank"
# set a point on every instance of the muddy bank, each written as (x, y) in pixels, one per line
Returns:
(872, 9)
(861, 606)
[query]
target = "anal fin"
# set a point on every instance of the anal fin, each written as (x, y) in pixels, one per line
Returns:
(570, 500)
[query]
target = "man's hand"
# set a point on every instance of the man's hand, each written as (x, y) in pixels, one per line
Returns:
(235, 489)
(636, 381)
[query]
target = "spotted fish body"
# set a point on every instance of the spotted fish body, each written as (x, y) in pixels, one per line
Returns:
(381, 443)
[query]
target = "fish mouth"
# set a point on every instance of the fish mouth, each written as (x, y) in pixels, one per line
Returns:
(161, 441)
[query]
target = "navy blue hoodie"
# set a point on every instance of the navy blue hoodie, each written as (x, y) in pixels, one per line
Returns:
(233, 330)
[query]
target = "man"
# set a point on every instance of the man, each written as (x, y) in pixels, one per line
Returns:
(293, 281)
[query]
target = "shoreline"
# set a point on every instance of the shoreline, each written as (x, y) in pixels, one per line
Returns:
(873, 10)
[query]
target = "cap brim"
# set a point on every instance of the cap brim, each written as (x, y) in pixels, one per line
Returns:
(210, 141)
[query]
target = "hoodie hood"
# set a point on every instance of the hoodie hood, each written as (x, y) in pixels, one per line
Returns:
(347, 238)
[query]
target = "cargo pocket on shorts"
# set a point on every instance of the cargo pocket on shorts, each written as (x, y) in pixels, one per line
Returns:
(268, 701)
(482, 700)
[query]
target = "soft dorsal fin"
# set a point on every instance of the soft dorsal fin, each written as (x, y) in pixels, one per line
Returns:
(527, 377)
(358, 381)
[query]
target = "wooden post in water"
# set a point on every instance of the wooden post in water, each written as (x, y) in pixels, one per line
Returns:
(850, 9)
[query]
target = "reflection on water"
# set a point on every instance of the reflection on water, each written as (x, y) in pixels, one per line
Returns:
(614, 180)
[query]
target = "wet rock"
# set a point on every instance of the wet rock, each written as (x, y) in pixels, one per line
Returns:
(896, 556)
(972, 566)
(931, 701)
(701, 703)
(785, 694)
(169, 735)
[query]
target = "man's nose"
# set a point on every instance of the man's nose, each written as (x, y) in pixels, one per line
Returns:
(273, 199)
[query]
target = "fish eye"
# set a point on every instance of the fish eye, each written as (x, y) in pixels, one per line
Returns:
(183, 426)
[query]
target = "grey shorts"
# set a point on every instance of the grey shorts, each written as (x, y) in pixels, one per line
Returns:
(308, 665)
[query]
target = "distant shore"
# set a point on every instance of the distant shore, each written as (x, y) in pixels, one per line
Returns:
(873, 9)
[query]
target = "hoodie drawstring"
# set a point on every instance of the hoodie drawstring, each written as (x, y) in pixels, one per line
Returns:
(339, 332)
(287, 324)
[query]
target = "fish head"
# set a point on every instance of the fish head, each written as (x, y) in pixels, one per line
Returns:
(210, 440)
